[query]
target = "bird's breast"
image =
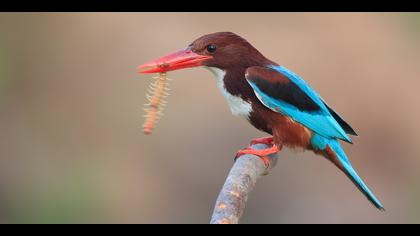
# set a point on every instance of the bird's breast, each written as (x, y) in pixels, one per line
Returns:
(238, 106)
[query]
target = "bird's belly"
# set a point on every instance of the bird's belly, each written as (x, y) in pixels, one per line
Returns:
(237, 105)
(284, 129)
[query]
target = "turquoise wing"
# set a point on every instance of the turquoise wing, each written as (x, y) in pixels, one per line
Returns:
(283, 91)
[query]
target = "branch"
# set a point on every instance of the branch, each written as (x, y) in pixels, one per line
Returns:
(241, 180)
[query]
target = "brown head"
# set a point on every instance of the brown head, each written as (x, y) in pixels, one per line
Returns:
(223, 50)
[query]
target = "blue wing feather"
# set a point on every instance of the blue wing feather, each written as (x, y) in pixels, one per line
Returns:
(301, 84)
(320, 122)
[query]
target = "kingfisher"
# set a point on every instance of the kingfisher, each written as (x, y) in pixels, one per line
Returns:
(271, 97)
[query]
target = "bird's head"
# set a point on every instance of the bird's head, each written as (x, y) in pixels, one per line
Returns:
(223, 50)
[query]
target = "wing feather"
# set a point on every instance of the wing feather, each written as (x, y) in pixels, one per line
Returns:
(285, 92)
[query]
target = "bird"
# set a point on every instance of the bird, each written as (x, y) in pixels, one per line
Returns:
(271, 97)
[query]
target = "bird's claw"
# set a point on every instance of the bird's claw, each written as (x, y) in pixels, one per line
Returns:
(266, 140)
(262, 154)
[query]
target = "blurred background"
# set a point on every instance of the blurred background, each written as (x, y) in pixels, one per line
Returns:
(72, 148)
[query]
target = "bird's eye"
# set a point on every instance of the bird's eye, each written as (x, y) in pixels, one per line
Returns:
(211, 48)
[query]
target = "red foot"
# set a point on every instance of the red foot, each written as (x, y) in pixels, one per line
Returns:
(263, 154)
(266, 140)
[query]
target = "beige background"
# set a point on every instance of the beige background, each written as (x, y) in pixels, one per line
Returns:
(72, 147)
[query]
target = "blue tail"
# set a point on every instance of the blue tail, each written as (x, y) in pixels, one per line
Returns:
(344, 164)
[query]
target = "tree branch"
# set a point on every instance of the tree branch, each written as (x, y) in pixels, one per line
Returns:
(241, 180)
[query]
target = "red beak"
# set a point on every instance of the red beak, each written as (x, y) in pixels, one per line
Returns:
(184, 58)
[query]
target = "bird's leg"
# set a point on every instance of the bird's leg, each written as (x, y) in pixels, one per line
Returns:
(263, 153)
(266, 140)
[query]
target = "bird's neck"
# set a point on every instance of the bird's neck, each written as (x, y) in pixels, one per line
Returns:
(233, 87)
(230, 80)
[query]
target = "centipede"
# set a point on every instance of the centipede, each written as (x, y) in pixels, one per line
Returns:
(156, 95)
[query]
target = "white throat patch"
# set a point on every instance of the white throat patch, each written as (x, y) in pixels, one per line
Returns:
(237, 105)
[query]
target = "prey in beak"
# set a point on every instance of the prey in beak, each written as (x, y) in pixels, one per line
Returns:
(184, 58)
